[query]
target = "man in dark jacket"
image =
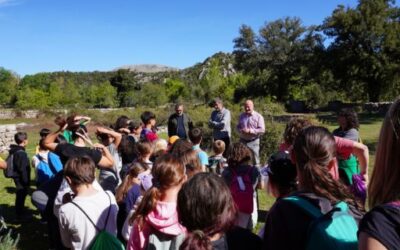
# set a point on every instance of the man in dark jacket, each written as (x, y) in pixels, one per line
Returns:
(179, 123)
(22, 173)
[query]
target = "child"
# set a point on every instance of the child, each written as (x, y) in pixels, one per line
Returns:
(242, 179)
(109, 177)
(144, 150)
(211, 225)
(156, 214)
(46, 164)
(149, 132)
(379, 229)
(288, 223)
(217, 163)
(128, 192)
(191, 162)
(88, 210)
(196, 136)
(22, 173)
(281, 175)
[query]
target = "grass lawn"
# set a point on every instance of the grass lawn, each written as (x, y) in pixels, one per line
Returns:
(34, 235)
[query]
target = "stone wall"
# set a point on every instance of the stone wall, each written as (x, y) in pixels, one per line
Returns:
(7, 133)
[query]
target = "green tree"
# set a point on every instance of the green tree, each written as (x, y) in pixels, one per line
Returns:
(102, 95)
(277, 57)
(31, 98)
(8, 86)
(176, 90)
(366, 46)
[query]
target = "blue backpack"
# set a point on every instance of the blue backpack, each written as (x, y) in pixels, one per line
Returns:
(336, 229)
(48, 169)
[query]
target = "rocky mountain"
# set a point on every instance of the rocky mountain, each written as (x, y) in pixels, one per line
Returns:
(147, 68)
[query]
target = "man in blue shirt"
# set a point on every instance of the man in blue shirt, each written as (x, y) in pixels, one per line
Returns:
(220, 122)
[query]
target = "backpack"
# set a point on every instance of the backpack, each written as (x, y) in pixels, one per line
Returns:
(216, 164)
(9, 172)
(103, 240)
(242, 191)
(336, 229)
(160, 241)
(48, 169)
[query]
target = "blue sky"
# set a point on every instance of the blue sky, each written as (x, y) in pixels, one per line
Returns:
(86, 35)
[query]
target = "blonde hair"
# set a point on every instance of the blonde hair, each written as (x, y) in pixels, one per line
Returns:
(384, 186)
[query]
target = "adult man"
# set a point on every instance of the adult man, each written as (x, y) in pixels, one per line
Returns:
(220, 122)
(179, 123)
(250, 127)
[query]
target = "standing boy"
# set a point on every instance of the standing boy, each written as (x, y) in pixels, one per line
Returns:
(22, 173)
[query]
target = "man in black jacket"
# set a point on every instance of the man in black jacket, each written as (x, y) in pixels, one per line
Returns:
(22, 173)
(179, 123)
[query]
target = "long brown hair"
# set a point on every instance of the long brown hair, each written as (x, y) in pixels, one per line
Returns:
(192, 163)
(314, 150)
(384, 186)
(216, 214)
(239, 154)
(131, 178)
(168, 171)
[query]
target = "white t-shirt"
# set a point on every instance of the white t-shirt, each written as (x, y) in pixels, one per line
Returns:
(77, 232)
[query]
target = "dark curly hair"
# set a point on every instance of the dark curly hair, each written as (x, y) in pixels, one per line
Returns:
(351, 118)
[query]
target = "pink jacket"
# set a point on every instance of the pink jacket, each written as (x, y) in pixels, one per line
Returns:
(163, 218)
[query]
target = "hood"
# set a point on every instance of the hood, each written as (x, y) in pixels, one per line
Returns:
(14, 148)
(164, 218)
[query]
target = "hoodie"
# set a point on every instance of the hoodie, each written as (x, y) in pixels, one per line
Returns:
(21, 164)
(164, 219)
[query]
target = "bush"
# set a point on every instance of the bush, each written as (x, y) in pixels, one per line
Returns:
(270, 140)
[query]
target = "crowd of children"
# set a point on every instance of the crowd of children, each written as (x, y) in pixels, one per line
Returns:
(156, 194)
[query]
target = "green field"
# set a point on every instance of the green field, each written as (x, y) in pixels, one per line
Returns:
(33, 234)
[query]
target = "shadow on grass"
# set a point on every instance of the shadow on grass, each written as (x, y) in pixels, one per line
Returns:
(33, 234)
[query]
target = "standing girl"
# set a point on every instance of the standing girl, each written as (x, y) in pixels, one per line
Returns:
(156, 215)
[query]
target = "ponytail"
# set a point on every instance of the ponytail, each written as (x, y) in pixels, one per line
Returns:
(147, 204)
(315, 149)
(168, 171)
(197, 240)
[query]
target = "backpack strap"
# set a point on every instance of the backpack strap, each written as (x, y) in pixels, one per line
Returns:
(304, 204)
(87, 216)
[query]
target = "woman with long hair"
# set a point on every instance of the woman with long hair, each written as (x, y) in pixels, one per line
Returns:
(287, 223)
(379, 229)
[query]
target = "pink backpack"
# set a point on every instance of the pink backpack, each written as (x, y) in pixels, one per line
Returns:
(242, 191)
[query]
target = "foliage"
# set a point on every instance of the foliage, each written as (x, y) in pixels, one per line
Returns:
(271, 140)
(8, 85)
(365, 47)
(7, 242)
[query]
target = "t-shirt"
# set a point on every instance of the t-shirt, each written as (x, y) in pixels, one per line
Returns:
(66, 151)
(351, 134)
(383, 223)
(77, 232)
(131, 197)
(344, 149)
(106, 173)
(180, 127)
(201, 154)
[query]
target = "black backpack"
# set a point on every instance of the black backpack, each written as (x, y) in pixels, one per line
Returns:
(9, 172)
